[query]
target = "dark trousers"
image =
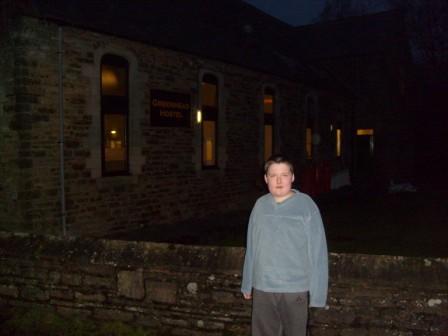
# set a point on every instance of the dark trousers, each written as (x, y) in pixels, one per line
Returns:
(279, 314)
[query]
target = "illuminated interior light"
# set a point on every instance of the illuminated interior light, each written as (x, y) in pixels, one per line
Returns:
(109, 78)
(268, 104)
(198, 116)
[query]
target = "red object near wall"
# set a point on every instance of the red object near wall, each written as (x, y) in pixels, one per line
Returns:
(315, 179)
(307, 180)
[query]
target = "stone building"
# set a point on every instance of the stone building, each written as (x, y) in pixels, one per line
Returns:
(123, 114)
(371, 56)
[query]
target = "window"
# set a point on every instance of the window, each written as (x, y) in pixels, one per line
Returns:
(114, 115)
(268, 114)
(309, 129)
(364, 151)
(336, 133)
(368, 135)
(309, 142)
(338, 142)
(209, 107)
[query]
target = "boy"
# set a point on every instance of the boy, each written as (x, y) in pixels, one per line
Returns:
(286, 258)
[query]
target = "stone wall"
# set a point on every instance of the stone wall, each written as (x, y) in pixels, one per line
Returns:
(190, 290)
(166, 181)
(10, 135)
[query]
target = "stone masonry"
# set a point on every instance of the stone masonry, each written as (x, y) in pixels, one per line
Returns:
(191, 290)
(166, 182)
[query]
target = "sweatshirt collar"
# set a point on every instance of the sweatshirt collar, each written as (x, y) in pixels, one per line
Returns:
(286, 200)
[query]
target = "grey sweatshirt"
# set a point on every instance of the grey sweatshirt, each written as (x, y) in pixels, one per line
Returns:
(286, 248)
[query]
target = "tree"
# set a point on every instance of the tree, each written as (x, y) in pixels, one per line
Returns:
(427, 23)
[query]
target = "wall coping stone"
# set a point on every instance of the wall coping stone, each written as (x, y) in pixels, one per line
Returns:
(412, 271)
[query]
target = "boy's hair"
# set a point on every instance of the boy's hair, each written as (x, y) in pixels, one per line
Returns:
(278, 158)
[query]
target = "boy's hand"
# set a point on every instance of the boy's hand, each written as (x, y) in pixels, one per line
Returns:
(247, 296)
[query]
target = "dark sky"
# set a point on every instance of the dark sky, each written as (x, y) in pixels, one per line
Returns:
(294, 12)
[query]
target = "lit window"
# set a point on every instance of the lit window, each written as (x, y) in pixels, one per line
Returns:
(209, 109)
(114, 115)
(209, 140)
(309, 142)
(268, 116)
(338, 142)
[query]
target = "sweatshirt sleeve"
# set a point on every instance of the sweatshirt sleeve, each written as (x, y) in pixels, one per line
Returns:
(246, 285)
(317, 251)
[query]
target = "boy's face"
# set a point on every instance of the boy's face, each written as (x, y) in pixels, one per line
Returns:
(279, 180)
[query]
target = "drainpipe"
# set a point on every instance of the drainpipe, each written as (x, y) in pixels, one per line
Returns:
(61, 128)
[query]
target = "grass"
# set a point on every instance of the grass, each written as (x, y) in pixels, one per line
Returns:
(44, 321)
(407, 223)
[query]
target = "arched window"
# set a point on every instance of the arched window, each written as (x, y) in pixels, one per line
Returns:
(210, 109)
(114, 115)
(268, 116)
